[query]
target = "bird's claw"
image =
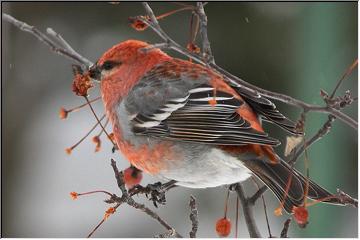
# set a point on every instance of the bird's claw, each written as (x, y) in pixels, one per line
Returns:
(154, 192)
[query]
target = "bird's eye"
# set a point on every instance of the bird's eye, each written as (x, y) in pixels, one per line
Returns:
(108, 65)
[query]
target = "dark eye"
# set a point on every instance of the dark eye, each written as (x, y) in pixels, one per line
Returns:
(108, 65)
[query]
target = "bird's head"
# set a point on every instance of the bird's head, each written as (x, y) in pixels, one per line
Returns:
(122, 66)
(125, 58)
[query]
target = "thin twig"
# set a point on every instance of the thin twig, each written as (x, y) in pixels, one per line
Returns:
(237, 217)
(285, 229)
(64, 51)
(340, 102)
(193, 217)
(266, 216)
(88, 133)
(167, 234)
(325, 129)
(248, 212)
(119, 178)
(206, 48)
(97, 118)
(96, 228)
(264, 205)
(347, 73)
(100, 223)
(346, 199)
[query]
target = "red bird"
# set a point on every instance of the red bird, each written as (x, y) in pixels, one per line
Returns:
(181, 121)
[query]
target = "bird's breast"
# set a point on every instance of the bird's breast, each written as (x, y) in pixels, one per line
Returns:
(147, 154)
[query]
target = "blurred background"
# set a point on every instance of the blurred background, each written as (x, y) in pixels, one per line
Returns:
(292, 48)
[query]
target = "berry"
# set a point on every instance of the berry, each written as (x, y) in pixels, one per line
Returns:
(301, 215)
(97, 141)
(137, 24)
(223, 227)
(132, 176)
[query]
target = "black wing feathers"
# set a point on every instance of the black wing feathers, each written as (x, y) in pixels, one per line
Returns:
(199, 121)
(267, 110)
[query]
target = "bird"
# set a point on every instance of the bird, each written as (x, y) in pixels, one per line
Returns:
(181, 121)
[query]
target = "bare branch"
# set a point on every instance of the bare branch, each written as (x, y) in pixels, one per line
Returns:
(248, 212)
(325, 129)
(130, 201)
(285, 229)
(100, 223)
(193, 217)
(119, 178)
(257, 195)
(167, 234)
(346, 199)
(66, 50)
(264, 205)
(206, 49)
(339, 102)
(347, 73)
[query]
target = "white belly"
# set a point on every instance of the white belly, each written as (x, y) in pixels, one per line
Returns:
(211, 169)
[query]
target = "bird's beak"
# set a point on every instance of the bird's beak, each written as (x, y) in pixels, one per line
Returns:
(95, 73)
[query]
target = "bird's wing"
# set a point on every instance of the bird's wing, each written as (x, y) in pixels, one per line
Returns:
(173, 106)
(266, 109)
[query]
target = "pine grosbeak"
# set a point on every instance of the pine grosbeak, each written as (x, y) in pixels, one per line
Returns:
(181, 121)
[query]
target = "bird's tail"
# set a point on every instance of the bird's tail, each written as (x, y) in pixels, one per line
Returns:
(277, 178)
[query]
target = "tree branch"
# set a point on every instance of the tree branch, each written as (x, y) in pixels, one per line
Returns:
(130, 201)
(285, 229)
(248, 212)
(325, 129)
(65, 50)
(257, 195)
(193, 217)
(206, 49)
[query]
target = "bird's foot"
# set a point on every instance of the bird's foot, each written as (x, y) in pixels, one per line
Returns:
(154, 192)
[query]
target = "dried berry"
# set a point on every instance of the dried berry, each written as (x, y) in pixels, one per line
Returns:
(74, 195)
(63, 113)
(278, 211)
(108, 212)
(97, 141)
(137, 24)
(193, 48)
(68, 150)
(81, 84)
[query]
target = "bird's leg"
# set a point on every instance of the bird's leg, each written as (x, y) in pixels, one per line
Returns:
(154, 192)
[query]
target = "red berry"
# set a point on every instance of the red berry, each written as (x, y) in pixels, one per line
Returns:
(137, 24)
(132, 176)
(223, 227)
(301, 215)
